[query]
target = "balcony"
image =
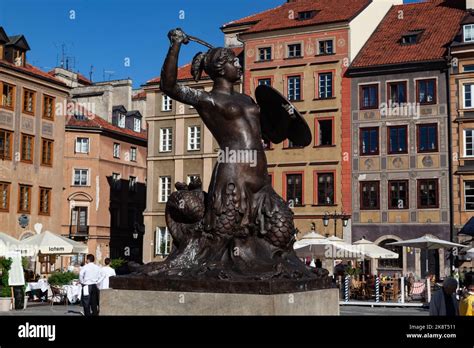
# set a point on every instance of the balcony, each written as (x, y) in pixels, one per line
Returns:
(79, 233)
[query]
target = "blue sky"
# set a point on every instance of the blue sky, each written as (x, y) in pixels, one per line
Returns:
(104, 33)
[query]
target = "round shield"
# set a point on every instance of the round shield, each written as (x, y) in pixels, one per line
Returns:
(280, 119)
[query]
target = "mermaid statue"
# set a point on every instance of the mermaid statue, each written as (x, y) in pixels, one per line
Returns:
(241, 229)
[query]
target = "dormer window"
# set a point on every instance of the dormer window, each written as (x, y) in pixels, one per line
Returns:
(411, 37)
(137, 125)
(121, 120)
(304, 15)
(469, 33)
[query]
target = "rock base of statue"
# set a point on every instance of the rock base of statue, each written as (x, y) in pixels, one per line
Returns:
(180, 303)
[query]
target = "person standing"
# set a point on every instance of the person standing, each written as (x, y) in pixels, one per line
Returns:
(89, 276)
(107, 272)
(444, 302)
(466, 305)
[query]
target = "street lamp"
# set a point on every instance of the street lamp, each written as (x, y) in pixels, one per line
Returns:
(335, 216)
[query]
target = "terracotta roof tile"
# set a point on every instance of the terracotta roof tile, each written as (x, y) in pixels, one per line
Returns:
(32, 70)
(326, 11)
(139, 95)
(438, 21)
(91, 120)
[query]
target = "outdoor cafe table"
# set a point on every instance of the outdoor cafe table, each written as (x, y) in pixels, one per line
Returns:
(73, 292)
(42, 284)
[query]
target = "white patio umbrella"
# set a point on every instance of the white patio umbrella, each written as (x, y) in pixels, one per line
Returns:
(428, 242)
(50, 243)
(10, 244)
(311, 244)
(373, 251)
(470, 253)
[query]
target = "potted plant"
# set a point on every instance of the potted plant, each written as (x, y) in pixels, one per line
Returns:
(5, 289)
(61, 278)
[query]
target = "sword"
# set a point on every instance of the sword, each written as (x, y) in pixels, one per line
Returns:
(199, 41)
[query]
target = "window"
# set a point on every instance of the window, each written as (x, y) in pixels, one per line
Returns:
(164, 189)
(194, 138)
(427, 137)
(397, 93)
(82, 145)
(410, 39)
(368, 97)
(398, 194)
(264, 53)
(48, 107)
(428, 193)
(369, 195)
(191, 177)
(468, 33)
(468, 195)
(27, 147)
(81, 177)
(325, 188)
(121, 120)
(369, 141)
(45, 201)
(294, 189)
(468, 93)
(4, 196)
(116, 181)
(468, 68)
(397, 139)
(325, 132)
(132, 184)
(133, 154)
(426, 91)
(79, 221)
(8, 96)
(304, 15)
(116, 150)
(47, 147)
(137, 125)
(166, 103)
(162, 241)
(166, 139)
(24, 199)
(294, 50)
(28, 101)
(326, 47)
(5, 145)
(325, 85)
(265, 82)
(294, 88)
(468, 143)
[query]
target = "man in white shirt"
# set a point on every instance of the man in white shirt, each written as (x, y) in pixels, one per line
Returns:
(107, 272)
(89, 276)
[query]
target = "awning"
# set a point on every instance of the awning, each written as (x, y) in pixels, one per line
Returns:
(50, 243)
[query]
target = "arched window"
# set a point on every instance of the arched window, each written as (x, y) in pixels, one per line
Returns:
(391, 263)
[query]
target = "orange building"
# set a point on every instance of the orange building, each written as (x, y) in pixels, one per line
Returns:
(303, 48)
(105, 183)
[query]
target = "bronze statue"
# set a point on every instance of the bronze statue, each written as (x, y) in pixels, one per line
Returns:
(241, 229)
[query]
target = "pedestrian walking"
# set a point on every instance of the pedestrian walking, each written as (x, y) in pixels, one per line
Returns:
(444, 302)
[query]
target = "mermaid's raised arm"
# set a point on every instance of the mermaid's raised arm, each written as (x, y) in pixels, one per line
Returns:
(169, 73)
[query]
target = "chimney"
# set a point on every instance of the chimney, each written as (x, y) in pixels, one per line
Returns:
(469, 4)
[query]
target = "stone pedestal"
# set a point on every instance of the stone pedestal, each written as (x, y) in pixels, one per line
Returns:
(146, 302)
